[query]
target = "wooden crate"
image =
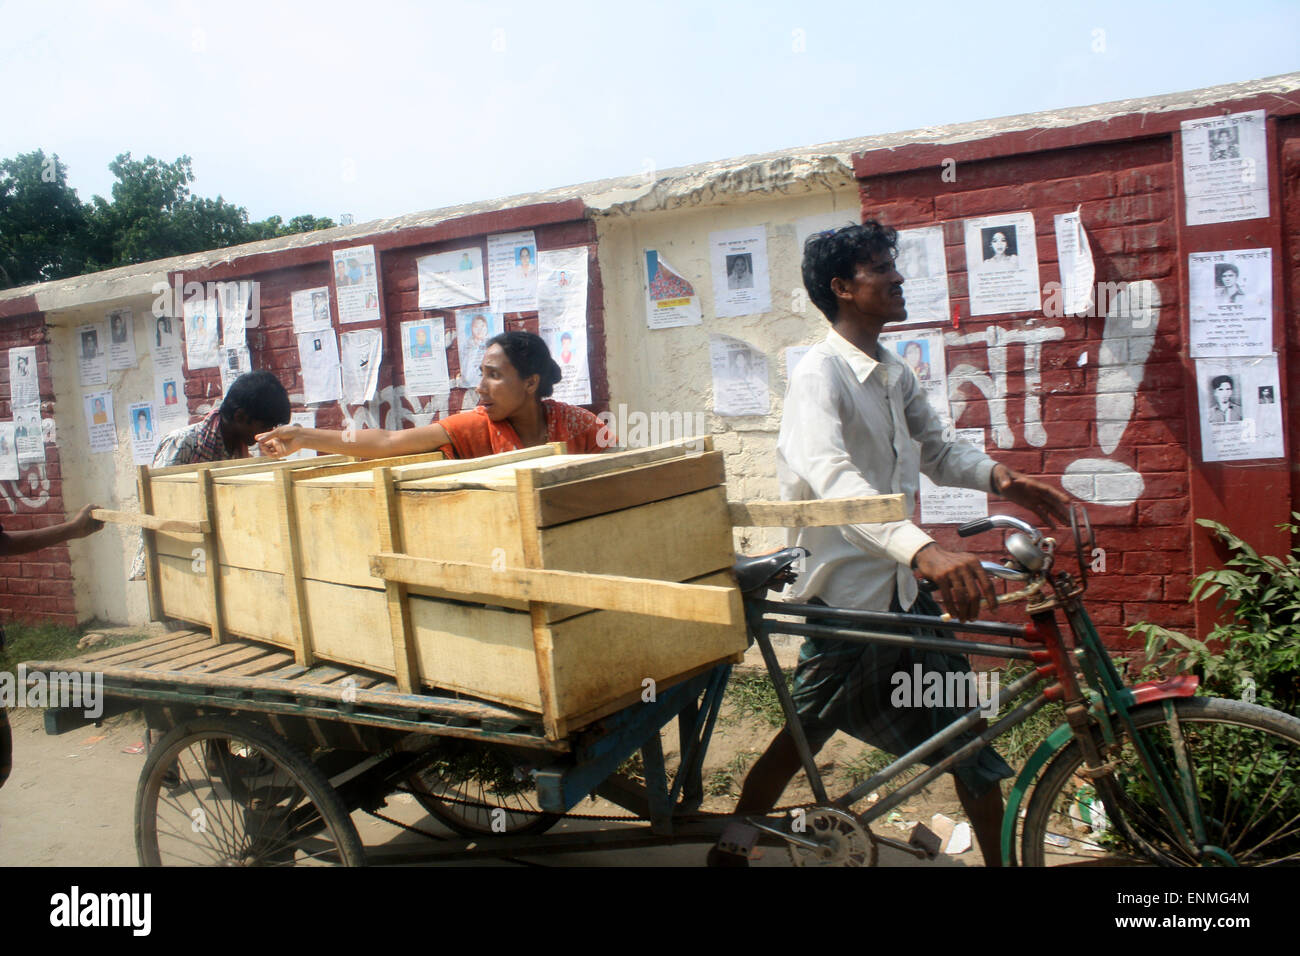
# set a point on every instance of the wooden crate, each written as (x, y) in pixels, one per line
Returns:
(555, 583)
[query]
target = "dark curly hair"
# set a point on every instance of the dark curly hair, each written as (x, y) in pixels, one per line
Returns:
(835, 253)
(260, 395)
(530, 356)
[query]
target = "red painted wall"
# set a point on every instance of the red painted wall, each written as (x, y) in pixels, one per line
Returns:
(1126, 175)
(36, 585)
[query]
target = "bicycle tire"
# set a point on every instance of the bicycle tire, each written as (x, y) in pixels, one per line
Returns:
(196, 793)
(1246, 765)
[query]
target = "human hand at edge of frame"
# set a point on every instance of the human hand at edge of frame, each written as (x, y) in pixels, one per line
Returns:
(280, 441)
(959, 578)
(1051, 506)
(82, 524)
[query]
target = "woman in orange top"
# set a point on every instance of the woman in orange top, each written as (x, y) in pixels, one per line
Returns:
(514, 411)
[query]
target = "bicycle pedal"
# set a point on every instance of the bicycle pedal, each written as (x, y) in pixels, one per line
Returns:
(739, 839)
(926, 840)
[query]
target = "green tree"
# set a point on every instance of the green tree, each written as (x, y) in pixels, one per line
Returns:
(46, 232)
(42, 222)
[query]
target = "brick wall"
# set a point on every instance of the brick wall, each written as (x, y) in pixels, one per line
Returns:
(273, 345)
(36, 585)
(1127, 180)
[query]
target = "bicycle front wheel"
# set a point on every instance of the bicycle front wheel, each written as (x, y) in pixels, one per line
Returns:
(1241, 783)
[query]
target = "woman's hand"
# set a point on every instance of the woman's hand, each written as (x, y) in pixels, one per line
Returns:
(83, 524)
(280, 441)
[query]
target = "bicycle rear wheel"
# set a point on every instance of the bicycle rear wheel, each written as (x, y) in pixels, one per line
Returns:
(1244, 763)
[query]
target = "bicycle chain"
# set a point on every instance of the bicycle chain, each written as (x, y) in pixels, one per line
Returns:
(629, 817)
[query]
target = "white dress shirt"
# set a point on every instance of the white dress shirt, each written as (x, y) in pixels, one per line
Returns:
(855, 425)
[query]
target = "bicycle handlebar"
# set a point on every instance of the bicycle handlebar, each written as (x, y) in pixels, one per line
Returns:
(980, 525)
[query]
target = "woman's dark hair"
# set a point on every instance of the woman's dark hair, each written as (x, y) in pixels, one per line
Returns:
(1219, 380)
(530, 356)
(835, 253)
(260, 395)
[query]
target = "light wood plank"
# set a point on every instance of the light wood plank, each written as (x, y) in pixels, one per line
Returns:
(553, 722)
(291, 542)
(593, 465)
(814, 514)
(370, 464)
(145, 489)
(153, 522)
(264, 660)
(405, 659)
(211, 556)
(627, 489)
(684, 602)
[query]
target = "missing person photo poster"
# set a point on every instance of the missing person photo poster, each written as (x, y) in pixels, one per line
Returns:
(948, 505)
(202, 334)
(165, 342)
(449, 279)
(92, 354)
(922, 352)
(740, 277)
(144, 434)
(8, 452)
(235, 299)
(473, 329)
(424, 357)
(356, 284)
(1240, 416)
(923, 265)
(562, 319)
(670, 300)
(310, 309)
(28, 435)
(1230, 303)
(121, 339)
(1225, 168)
(101, 430)
(512, 272)
(318, 355)
(361, 353)
(740, 381)
(23, 378)
(234, 363)
(1002, 264)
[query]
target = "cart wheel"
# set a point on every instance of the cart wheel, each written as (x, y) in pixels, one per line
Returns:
(473, 793)
(222, 791)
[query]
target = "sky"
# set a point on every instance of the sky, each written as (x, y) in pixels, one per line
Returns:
(380, 108)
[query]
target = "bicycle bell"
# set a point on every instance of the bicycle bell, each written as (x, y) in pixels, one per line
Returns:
(1027, 554)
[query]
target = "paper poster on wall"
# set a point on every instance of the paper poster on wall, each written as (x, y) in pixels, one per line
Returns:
(562, 319)
(23, 378)
(165, 342)
(922, 352)
(306, 419)
(1225, 168)
(318, 355)
(670, 300)
(92, 354)
(741, 283)
(473, 329)
(356, 282)
(235, 299)
(8, 453)
(923, 264)
(1074, 254)
(512, 272)
(310, 309)
(1241, 415)
(449, 279)
(234, 363)
(121, 339)
(424, 357)
(144, 434)
(360, 359)
(1002, 264)
(171, 410)
(793, 355)
(202, 333)
(942, 505)
(1230, 302)
(739, 377)
(100, 427)
(806, 226)
(28, 436)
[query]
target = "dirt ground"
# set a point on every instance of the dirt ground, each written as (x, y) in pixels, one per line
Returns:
(70, 800)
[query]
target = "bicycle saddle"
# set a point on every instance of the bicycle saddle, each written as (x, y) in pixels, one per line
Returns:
(766, 571)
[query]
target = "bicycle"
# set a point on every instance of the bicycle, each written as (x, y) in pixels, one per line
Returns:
(1147, 773)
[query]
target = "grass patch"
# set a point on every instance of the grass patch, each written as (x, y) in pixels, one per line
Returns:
(1018, 744)
(725, 781)
(752, 697)
(50, 642)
